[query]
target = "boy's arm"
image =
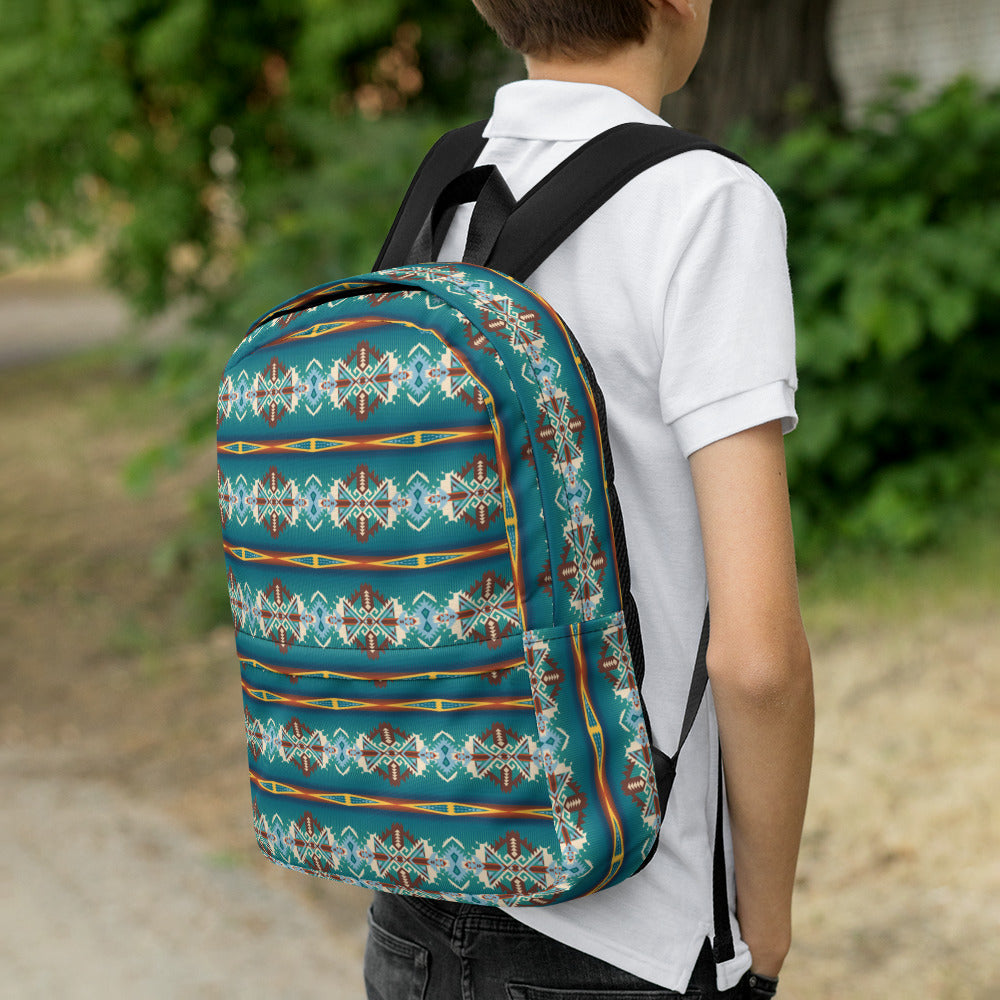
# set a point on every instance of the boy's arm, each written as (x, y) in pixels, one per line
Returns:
(759, 665)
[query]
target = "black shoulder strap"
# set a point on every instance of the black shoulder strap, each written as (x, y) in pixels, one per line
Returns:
(723, 945)
(532, 229)
(699, 682)
(579, 186)
(454, 153)
(664, 766)
(551, 210)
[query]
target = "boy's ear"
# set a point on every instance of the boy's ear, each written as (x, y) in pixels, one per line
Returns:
(684, 9)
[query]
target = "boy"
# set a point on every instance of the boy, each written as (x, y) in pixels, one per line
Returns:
(677, 290)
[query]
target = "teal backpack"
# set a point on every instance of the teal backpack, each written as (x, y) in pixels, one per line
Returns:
(441, 659)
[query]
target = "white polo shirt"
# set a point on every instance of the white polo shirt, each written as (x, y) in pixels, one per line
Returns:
(677, 289)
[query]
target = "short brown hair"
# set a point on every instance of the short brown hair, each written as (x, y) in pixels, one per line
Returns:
(566, 27)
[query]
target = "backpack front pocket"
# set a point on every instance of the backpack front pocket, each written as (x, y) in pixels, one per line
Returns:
(595, 745)
(429, 779)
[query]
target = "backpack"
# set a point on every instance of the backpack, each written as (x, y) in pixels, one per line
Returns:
(441, 658)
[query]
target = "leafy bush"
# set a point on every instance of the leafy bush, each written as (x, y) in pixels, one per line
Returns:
(227, 152)
(894, 243)
(180, 130)
(227, 155)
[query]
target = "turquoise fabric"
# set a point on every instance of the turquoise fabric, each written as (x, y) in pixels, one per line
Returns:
(438, 684)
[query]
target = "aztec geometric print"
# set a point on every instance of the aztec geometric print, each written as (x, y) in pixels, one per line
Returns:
(365, 378)
(509, 869)
(494, 858)
(499, 754)
(453, 404)
(560, 427)
(363, 502)
(551, 656)
(486, 612)
(358, 383)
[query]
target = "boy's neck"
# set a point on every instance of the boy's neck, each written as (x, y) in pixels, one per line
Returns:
(630, 70)
(648, 70)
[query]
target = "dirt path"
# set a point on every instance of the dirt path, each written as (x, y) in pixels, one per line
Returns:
(127, 865)
(106, 897)
(46, 311)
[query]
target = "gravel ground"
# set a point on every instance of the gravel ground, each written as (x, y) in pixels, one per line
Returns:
(42, 322)
(106, 898)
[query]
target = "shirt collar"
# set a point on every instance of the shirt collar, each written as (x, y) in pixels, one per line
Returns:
(557, 110)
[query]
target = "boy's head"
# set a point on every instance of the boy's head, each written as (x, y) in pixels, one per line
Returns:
(573, 28)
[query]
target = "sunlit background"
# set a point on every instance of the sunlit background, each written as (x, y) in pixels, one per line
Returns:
(172, 168)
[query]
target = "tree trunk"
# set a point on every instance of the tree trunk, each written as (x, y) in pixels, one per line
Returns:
(766, 62)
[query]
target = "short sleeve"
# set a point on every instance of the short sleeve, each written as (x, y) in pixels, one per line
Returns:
(729, 331)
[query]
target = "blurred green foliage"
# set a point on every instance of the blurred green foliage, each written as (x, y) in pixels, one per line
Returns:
(195, 137)
(232, 154)
(226, 155)
(894, 238)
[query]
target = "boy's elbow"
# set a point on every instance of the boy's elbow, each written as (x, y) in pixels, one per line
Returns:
(764, 671)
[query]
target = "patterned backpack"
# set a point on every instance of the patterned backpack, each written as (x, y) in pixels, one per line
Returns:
(440, 655)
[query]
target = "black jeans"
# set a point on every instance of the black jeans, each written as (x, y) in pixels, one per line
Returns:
(420, 949)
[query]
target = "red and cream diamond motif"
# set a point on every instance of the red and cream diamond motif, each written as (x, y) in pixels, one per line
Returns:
(391, 753)
(486, 613)
(560, 430)
(515, 865)
(363, 503)
(275, 502)
(371, 621)
(364, 380)
(310, 844)
(638, 782)
(308, 749)
(275, 392)
(503, 756)
(399, 857)
(581, 570)
(282, 615)
(473, 493)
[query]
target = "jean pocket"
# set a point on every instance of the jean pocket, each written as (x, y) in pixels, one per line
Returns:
(522, 991)
(394, 968)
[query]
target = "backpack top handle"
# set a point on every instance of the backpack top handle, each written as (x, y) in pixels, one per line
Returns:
(494, 203)
(452, 154)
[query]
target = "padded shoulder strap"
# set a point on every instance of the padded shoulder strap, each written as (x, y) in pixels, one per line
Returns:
(551, 210)
(453, 153)
(580, 185)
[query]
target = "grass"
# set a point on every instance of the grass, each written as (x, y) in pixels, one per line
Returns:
(863, 590)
